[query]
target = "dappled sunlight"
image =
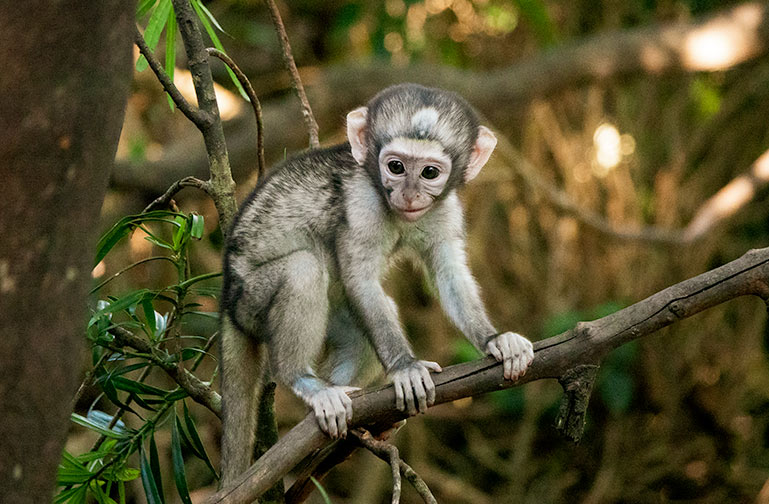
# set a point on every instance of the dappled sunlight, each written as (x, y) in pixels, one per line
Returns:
(610, 147)
(723, 42)
(230, 104)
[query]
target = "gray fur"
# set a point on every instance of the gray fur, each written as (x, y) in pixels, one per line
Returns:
(303, 268)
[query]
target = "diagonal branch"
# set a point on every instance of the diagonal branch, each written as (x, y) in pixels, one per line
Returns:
(198, 117)
(296, 81)
(164, 199)
(255, 104)
(587, 343)
(198, 390)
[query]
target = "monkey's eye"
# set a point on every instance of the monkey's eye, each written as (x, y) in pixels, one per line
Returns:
(396, 167)
(430, 172)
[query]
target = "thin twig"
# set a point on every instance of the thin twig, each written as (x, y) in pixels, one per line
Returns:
(386, 452)
(165, 198)
(198, 117)
(288, 60)
(389, 453)
(257, 106)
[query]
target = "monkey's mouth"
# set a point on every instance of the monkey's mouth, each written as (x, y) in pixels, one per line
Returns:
(412, 214)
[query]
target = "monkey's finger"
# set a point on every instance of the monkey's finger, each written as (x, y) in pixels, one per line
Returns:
(331, 422)
(398, 386)
(494, 350)
(408, 395)
(321, 418)
(347, 407)
(419, 391)
(429, 387)
(341, 416)
(432, 366)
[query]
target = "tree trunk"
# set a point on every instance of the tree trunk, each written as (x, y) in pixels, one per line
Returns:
(65, 77)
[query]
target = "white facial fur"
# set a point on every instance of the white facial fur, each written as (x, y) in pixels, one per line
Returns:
(411, 193)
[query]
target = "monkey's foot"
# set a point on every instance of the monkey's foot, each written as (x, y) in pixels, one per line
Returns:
(514, 351)
(333, 409)
(414, 387)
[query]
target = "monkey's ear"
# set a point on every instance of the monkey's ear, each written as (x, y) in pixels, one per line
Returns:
(482, 150)
(356, 133)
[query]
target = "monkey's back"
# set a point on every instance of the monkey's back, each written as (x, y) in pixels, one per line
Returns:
(300, 200)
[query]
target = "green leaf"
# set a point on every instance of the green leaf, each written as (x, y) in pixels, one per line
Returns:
(76, 495)
(194, 438)
(128, 385)
(98, 493)
(210, 16)
(218, 44)
(197, 226)
(148, 480)
(84, 422)
(171, 50)
(178, 462)
(122, 303)
(102, 419)
(124, 226)
(179, 233)
(144, 7)
(154, 28)
(122, 474)
(175, 395)
(155, 464)
(321, 490)
(199, 278)
(149, 315)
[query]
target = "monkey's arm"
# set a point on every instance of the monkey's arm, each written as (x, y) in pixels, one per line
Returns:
(460, 297)
(360, 271)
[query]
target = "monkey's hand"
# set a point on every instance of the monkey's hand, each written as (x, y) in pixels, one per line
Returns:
(333, 409)
(414, 387)
(514, 351)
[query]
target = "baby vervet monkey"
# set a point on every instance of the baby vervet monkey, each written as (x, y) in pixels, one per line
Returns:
(306, 255)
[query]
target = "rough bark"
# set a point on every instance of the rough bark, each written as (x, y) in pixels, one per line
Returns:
(66, 75)
(555, 357)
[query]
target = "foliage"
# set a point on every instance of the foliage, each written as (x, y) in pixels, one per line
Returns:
(158, 315)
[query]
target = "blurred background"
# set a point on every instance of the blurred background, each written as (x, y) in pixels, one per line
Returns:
(631, 136)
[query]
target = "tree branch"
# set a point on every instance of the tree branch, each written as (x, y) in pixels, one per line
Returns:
(163, 200)
(585, 344)
(221, 185)
(255, 104)
(296, 81)
(198, 117)
(199, 391)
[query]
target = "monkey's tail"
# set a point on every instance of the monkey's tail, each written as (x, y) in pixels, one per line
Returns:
(243, 364)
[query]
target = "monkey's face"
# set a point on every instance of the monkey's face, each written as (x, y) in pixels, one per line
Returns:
(414, 173)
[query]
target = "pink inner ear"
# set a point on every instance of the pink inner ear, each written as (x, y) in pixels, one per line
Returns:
(482, 150)
(356, 133)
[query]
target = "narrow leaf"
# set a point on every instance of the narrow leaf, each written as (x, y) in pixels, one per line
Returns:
(148, 480)
(194, 437)
(155, 464)
(84, 422)
(171, 50)
(218, 44)
(154, 28)
(144, 7)
(178, 463)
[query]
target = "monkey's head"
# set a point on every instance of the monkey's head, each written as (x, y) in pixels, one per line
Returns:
(418, 144)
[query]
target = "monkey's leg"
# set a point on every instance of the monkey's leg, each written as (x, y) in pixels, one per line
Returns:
(351, 358)
(243, 361)
(297, 321)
